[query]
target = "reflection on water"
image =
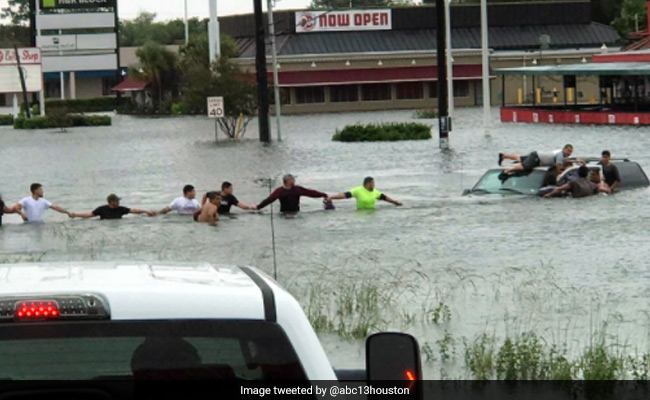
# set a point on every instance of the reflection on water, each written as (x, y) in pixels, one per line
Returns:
(502, 265)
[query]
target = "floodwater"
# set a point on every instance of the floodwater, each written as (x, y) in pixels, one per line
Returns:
(565, 269)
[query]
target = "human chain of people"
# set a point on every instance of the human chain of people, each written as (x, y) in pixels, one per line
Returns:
(213, 204)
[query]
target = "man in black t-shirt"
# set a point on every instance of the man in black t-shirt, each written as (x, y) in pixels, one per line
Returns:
(112, 210)
(4, 209)
(610, 172)
(228, 200)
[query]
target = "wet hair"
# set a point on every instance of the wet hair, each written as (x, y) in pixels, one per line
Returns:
(606, 153)
(226, 185)
(583, 171)
(213, 195)
(187, 189)
(367, 180)
(35, 187)
(286, 178)
(568, 146)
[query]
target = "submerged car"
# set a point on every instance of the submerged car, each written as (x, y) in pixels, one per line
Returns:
(632, 177)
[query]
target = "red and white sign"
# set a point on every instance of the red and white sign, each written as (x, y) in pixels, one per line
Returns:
(28, 56)
(30, 64)
(338, 21)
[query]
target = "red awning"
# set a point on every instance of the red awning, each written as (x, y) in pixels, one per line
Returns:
(130, 85)
(373, 75)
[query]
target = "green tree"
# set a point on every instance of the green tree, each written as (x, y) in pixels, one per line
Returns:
(159, 66)
(144, 28)
(224, 78)
(627, 18)
(17, 11)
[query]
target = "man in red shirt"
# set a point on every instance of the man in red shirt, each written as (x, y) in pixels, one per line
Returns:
(289, 195)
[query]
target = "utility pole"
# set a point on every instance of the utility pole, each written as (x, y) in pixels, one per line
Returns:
(262, 79)
(444, 121)
(450, 57)
(276, 79)
(487, 98)
(213, 33)
(187, 27)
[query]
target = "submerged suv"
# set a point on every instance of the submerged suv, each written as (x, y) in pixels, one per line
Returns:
(130, 321)
(632, 177)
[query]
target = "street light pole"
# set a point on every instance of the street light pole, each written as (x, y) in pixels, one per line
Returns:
(213, 32)
(487, 99)
(187, 28)
(262, 79)
(276, 80)
(443, 109)
(450, 56)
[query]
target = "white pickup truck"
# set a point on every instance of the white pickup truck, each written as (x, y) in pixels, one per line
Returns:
(102, 321)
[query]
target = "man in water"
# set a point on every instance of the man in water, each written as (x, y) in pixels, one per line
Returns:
(610, 171)
(32, 208)
(581, 187)
(184, 205)
(366, 195)
(112, 210)
(4, 209)
(228, 200)
(289, 195)
(536, 159)
(209, 212)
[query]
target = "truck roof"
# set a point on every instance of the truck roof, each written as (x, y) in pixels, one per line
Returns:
(141, 291)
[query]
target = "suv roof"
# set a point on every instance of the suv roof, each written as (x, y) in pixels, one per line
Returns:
(138, 291)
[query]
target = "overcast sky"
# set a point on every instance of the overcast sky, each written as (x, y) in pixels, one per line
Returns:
(168, 9)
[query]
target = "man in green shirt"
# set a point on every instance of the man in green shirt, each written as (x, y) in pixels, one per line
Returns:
(366, 195)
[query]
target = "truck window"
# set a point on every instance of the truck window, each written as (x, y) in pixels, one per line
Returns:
(524, 184)
(632, 175)
(221, 350)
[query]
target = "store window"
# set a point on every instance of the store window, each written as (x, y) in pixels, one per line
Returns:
(310, 94)
(461, 88)
(344, 93)
(410, 91)
(376, 92)
(433, 90)
(285, 95)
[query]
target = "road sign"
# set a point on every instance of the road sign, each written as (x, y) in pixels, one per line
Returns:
(215, 107)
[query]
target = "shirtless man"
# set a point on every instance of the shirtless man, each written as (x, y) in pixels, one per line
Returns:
(209, 212)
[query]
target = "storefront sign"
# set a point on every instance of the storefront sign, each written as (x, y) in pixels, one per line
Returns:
(337, 21)
(57, 43)
(29, 55)
(53, 4)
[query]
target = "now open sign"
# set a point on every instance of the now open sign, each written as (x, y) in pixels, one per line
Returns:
(352, 20)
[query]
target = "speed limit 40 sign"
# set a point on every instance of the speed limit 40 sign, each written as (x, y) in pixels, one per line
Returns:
(215, 107)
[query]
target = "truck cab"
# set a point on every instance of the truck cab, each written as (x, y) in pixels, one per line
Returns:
(138, 321)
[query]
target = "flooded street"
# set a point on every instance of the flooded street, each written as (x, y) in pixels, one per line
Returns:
(442, 265)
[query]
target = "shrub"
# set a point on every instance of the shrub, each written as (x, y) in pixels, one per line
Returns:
(425, 114)
(383, 132)
(6, 119)
(83, 105)
(62, 121)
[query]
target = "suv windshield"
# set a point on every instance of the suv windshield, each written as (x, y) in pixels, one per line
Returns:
(525, 184)
(214, 350)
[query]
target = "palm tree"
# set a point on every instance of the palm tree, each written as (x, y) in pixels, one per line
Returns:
(158, 65)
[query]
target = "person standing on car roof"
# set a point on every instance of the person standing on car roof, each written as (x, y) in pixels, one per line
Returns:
(32, 208)
(536, 159)
(289, 195)
(112, 210)
(4, 209)
(610, 171)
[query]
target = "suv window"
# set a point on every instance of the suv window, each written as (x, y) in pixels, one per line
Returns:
(245, 350)
(632, 176)
(524, 184)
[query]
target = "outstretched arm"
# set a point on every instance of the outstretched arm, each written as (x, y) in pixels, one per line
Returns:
(558, 190)
(82, 215)
(340, 196)
(391, 201)
(245, 206)
(139, 211)
(164, 210)
(273, 197)
(61, 210)
(311, 193)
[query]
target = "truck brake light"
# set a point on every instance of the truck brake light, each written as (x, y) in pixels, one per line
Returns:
(53, 308)
(31, 310)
